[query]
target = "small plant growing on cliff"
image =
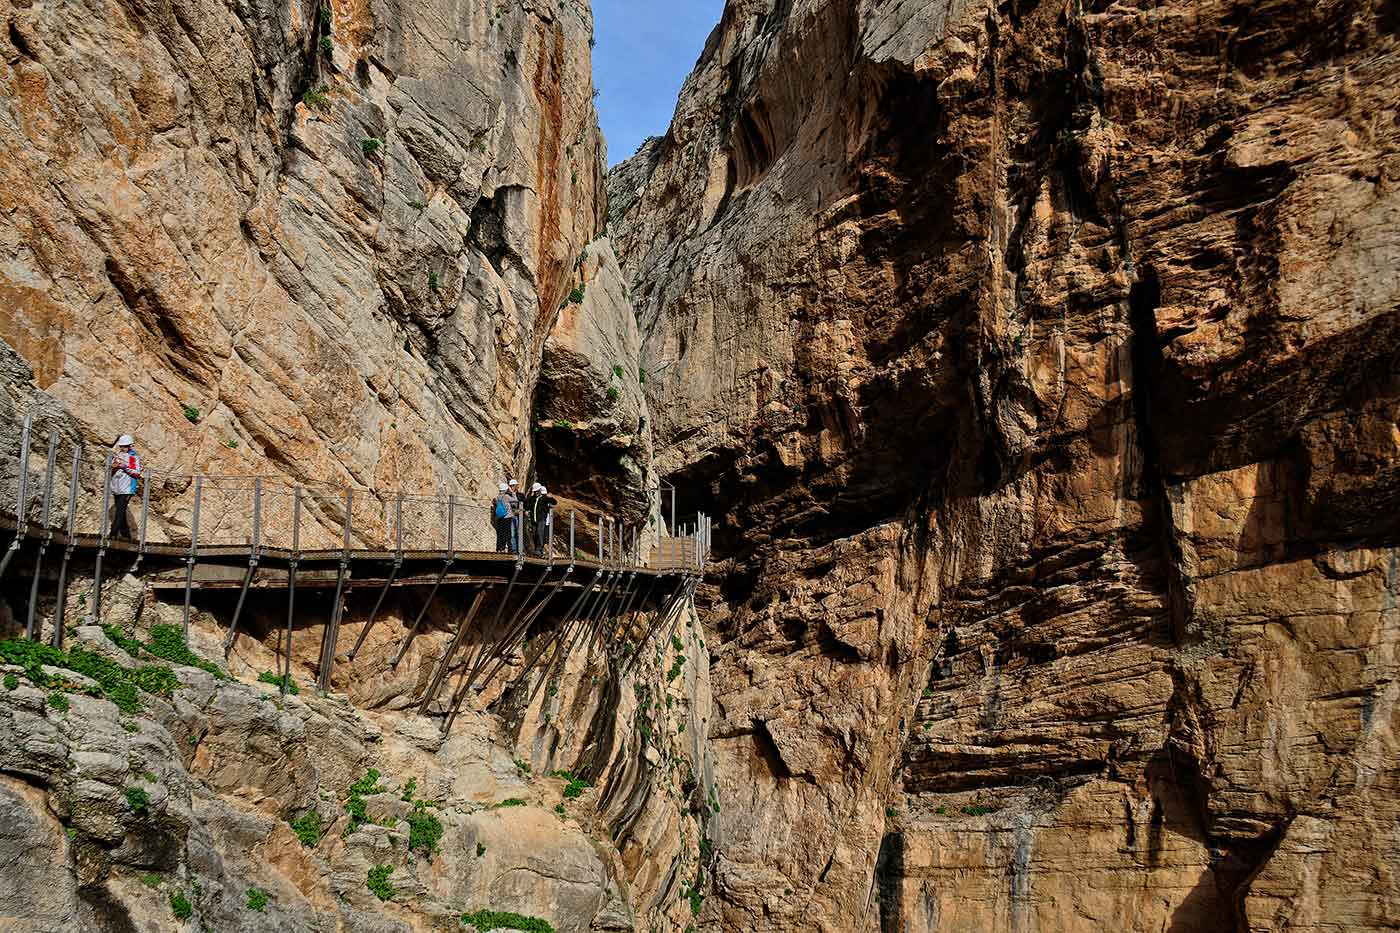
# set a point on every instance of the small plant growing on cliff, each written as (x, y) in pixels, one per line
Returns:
(137, 799)
(257, 899)
(355, 801)
(370, 146)
(231, 444)
(59, 702)
(424, 830)
(576, 296)
(327, 46)
(480, 850)
(168, 643)
(977, 809)
(576, 785)
(504, 920)
(267, 677)
(11, 682)
(433, 281)
(564, 425)
(151, 880)
(180, 905)
(378, 882)
(508, 802)
(326, 16)
(191, 414)
(613, 393)
(642, 377)
(522, 766)
(308, 829)
(409, 787)
(417, 205)
(316, 99)
(618, 371)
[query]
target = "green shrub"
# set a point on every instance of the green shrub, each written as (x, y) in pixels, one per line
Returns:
(180, 905)
(941, 811)
(355, 801)
(308, 828)
(151, 880)
(480, 850)
(378, 882)
(137, 799)
(433, 281)
(267, 677)
(977, 809)
(192, 413)
(257, 899)
(370, 146)
(576, 785)
(59, 702)
(417, 205)
(642, 376)
(424, 830)
(503, 920)
(576, 296)
(326, 16)
(613, 394)
(11, 682)
(522, 766)
(316, 99)
(565, 425)
(409, 787)
(168, 643)
(117, 637)
(231, 444)
(618, 371)
(327, 46)
(559, 809)
(891, 813)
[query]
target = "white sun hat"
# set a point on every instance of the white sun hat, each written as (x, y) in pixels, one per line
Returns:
(126, 440)
(504, 487)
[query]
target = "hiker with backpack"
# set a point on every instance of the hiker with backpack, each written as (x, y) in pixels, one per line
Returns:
(502, 516)
(125, 473)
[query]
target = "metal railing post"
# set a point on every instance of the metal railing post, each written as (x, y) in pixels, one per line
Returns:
(145, 516)
(572, 516)
(194, 552)
(104, 530)
(21, 505)
(332, 633)
(44, 513)
(59, 613)
(292, 585)
(252, 565)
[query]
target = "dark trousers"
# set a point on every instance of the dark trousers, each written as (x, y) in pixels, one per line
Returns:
(120, 526)
(541, 537)
(503, 530)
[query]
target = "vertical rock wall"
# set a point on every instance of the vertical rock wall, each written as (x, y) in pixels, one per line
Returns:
(1040, 360)
(325, 241)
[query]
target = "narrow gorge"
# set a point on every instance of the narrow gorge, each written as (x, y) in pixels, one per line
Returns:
(1037, 363)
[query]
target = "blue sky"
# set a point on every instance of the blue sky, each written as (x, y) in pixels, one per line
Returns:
(645, 50)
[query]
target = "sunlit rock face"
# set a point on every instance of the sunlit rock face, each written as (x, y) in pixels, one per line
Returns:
(338, 232)
(1041, 363)
(329, 244)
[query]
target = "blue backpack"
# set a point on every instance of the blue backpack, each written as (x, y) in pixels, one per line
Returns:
(501, 510)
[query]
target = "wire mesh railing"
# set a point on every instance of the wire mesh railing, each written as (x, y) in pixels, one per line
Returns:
(55, 485)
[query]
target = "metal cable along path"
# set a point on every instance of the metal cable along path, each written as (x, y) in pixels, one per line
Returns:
(212, 532)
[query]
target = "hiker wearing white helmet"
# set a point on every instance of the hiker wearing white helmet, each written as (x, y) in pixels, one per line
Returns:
(542, 517)
(501, 516)
(125, 473)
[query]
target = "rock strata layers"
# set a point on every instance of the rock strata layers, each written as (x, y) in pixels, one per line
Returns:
(1041, 363)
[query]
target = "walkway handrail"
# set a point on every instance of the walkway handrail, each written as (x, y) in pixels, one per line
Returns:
(70, 495)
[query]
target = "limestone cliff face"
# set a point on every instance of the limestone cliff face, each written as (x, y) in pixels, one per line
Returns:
(1041, 361)
(334, 243)
(339, 232)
